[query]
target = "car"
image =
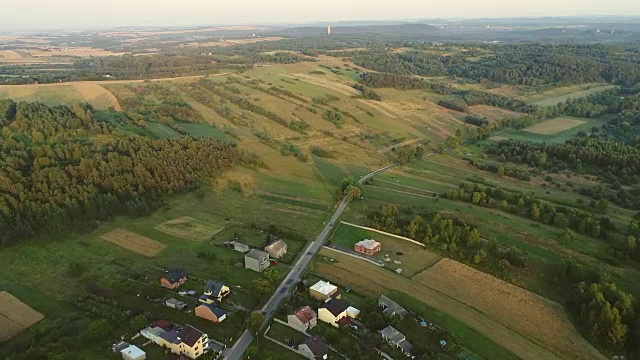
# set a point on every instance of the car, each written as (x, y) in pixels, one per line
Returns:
(354, 327)
(274, 262)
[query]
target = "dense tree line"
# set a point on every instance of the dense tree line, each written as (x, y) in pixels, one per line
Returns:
(449, 235)
(55, 178)
(613, 161)
(367, 93)
(456, 104)
(404, 82)
(523, 64)
(476, 120)
(476, 97)
(584, 222)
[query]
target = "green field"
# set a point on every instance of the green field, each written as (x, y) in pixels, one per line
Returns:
(555, 96)
(413, 257)
(523, 135)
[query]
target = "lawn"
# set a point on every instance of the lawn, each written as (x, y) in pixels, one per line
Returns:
(413, 258)
(285, 334)
(561, 94)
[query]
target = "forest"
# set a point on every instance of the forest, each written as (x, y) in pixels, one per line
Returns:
(56, 177)
(518, 64)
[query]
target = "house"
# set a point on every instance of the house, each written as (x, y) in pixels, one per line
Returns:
(303, 319)
(133, 353)
(276, 249)
(390, 307)
(323, 291)
(256, 260)
(333, 312)
(176, 304)
(173, 278)
(237, 246)
(211, 312)
(188, 341)
(395, 338)
(314, 348)
(214, 291)
(367, 247)
(353, 312)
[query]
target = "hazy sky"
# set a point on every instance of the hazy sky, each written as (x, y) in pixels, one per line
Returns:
(48, 14)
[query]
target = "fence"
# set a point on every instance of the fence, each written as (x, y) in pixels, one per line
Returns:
(383, 233)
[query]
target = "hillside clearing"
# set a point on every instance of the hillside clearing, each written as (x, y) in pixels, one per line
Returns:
(554, 126)
(134, 242)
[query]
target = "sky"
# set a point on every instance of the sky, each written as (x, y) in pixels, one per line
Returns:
(23, 15)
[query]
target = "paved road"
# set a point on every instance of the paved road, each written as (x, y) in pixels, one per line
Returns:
(294, 276)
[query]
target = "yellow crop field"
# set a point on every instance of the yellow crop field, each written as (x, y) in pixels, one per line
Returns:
(15, 316)
(540, 330)
(134, 242)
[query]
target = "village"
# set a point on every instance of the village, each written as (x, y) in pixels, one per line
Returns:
(308, 323)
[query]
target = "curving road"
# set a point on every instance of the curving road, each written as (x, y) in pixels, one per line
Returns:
(294, 276)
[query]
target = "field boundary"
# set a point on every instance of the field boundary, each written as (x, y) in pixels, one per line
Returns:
(353, 255)
(403, 192)
(383, 233)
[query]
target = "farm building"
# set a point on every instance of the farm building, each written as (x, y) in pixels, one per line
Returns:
(211, 312)
(333, 312)
(323, 290)
(276, 249)
(237, 246)
(256, 260)
(390, 307)
(133, 353)
(303, 319)
(397, 339)
(173, 278)
(214, 291)
(175, 304)
(367, 247)
(314, 348)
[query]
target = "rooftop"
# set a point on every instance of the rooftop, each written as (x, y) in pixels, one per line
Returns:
(392, 335)
(174, 275)
(257, 254)
(317, 346)
(214, 287)
(324, 288)
(305, 314)
(276, 245)
(190, 335)
(175, 302)
(335, 306)
(368, 244)
(133, 351)
(215, 309)
(391, 307)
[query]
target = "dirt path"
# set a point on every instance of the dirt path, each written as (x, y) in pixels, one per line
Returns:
(399, 145)
(348, 271)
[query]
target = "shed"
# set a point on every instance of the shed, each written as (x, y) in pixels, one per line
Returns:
(133, 353)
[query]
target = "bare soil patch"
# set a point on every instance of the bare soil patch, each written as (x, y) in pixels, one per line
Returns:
(96, 95)
(189, 228)
(554, 126)
(555, 339)
(134, 242)
(15, 316)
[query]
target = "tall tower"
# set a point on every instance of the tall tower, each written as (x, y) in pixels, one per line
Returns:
(329, 30)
